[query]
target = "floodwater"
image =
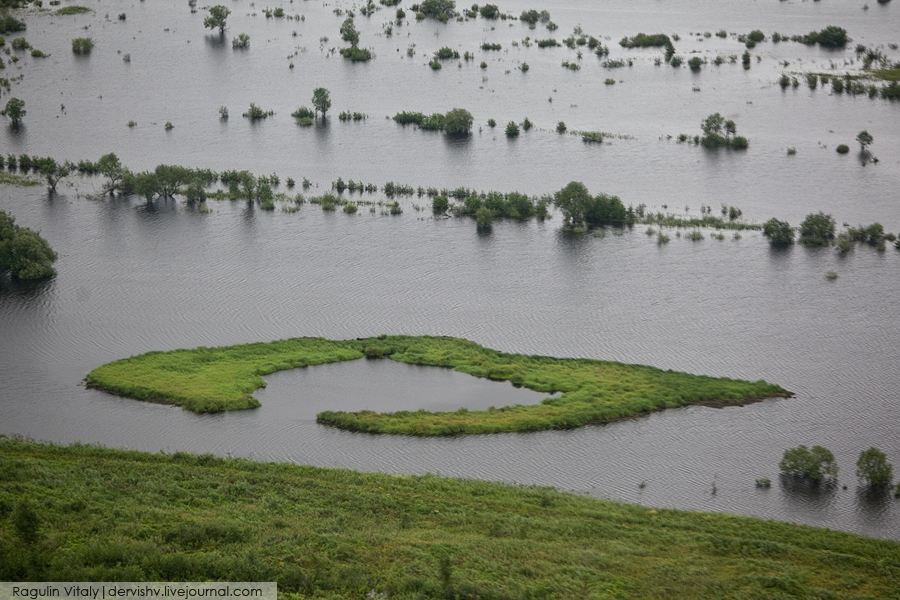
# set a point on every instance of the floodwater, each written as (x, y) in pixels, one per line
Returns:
(133, 279)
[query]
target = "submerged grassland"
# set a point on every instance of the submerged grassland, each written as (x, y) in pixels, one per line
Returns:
(82, 513)
(590, 391)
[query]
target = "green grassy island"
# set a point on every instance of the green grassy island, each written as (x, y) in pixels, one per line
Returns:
(590, 391)
(94, 514)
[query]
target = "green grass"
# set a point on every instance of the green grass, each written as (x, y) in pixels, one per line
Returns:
(324, 533)
(13, 179)
(72, 10)
(887, 74)
(591, 391)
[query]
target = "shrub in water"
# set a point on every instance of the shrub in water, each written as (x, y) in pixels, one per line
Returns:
(814, 464)
(82, 46)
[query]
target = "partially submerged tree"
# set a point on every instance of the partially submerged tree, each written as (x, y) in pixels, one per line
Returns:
(321, 101)
(817, 230)
(24, 253)
(572, 200)
(780, 233)
(15, 111)
(458, 122)
(111, 167)
(873, 468)
(53, 171)
(349, 33)
(864, 138)
(814, 464)
(216, 19)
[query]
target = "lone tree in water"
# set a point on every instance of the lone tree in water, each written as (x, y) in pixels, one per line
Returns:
(216, 18)
(24, 253)
(321, 101)
(864, 138)
(458, 122)
(15, 110)
(874, 469)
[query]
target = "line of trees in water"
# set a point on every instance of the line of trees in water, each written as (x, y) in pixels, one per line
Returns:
(581, 210)
(819, 230)
(817, 465)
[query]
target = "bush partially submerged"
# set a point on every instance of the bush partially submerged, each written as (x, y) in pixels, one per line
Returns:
(23, 253)
(82, 46)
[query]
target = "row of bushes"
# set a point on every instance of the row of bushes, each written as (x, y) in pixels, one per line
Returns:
(456, 122)
(818, 229)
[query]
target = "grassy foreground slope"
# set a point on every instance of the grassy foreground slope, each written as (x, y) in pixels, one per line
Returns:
(323, 533)
(591, 391)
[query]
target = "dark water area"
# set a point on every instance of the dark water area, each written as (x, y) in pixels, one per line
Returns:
(131, 280)
(134, 278)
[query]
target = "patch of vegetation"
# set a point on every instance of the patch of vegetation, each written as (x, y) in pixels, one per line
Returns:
(72, 10)
(82, 46)
(842, 148)
(814, 464)
(19, 180)
(356, 54)
(241, 42)
(15, 111)
(125, 515)
(456, 122)
(304, 116)
(887, 74)
(350, 35)
(446, 53)
(817, 230)
(439, 10)
(255, 113)
(644, 40)
(10, 24)
(217, 18)
(217, 379)
(491, 46)
(780, 233)
(829, 37)
(873, 468)
(718, 132)
(654, 40)
(489, 11)
(350, 116)
(24, 254)
(533, 17)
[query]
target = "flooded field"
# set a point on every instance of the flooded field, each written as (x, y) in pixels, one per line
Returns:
(133, 278)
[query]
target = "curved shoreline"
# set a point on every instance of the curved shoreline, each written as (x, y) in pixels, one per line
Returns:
(591, 391)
